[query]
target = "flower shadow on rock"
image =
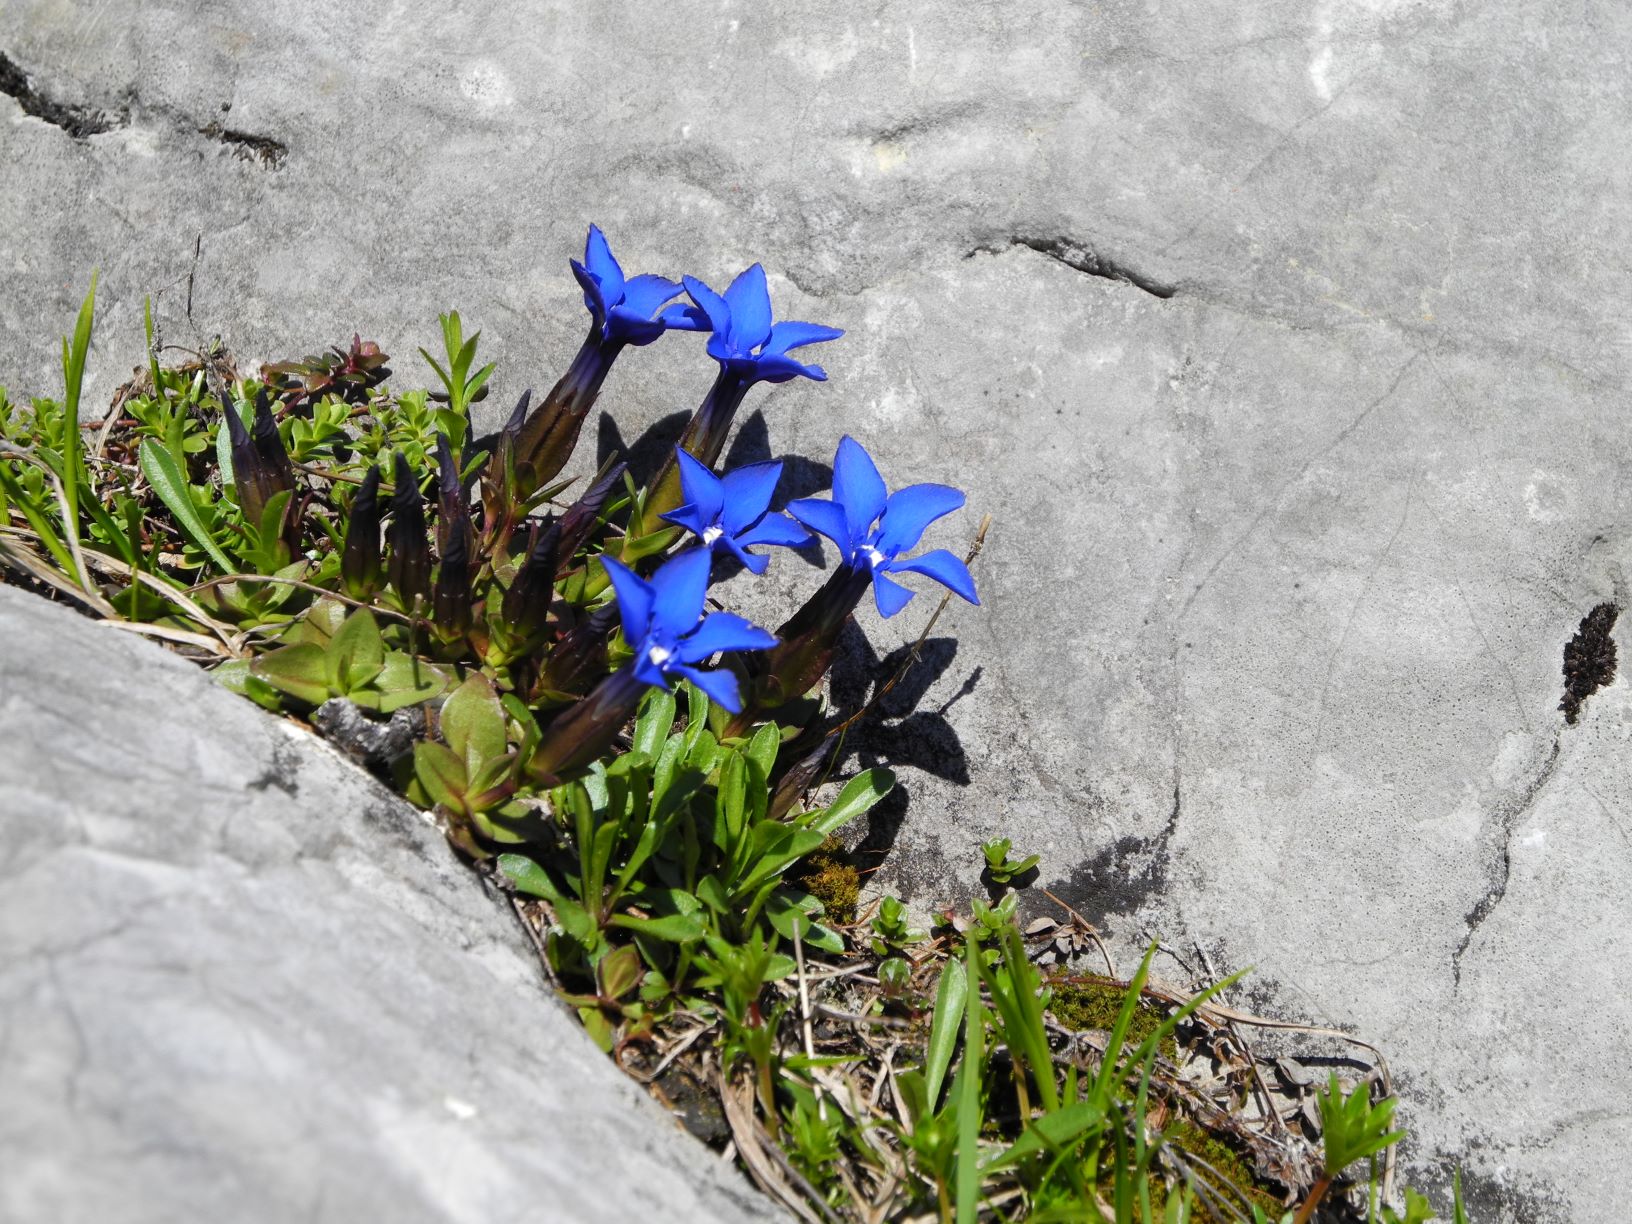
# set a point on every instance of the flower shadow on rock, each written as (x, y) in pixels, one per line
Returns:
(898, 732)
(646, 454)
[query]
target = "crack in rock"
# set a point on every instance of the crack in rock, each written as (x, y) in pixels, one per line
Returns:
(1508, 820)
(82, 122)
(1086, 260)
(78, 121)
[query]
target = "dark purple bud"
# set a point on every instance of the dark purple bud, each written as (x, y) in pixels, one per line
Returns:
(453, 508)
(805, 773)
(587, 728)
(580, 655)
(269, 444)
(409, 568)
(581, 516)
(360, 560)
(454, 540)
(451, 602)
(249, 477)
(527, 602)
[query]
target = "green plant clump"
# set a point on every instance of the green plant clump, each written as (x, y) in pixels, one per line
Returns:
(657, 784)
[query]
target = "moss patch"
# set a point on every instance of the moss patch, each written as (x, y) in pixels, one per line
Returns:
(1227, 1162)
(1084, 1003)
(832, 880)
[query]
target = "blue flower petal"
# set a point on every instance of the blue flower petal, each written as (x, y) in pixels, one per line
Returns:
(779, 369)
(679, 589)
(890, 596)
(857, 487)
(648, 672)
(701, 488)
(746, 492)
(643, 294)
(722, 631)
(750, 301)
(752, 562)
(721, 686)
(630, 328)
(593, 297)
(826, 517)
(635, 599)
(686, 516)
(720, 349)
(945, 569)
(775, 529)
(598, 259)
(908, 511)
(791, 335)
(712, 305)
(684, 317)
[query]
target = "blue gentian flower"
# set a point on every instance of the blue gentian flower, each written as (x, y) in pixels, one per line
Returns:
(624, 308)
(750, 349)
(744, 341)
(623, 311)
(731, 513)
(663, 623)
(872, 527)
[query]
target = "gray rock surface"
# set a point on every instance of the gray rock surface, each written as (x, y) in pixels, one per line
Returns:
(241, 981)
(1287, 542)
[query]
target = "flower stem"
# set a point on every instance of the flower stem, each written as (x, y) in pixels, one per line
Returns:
(586, 729)
(1316, 1193)
(804, 650)
(703, 440)
(549, 434)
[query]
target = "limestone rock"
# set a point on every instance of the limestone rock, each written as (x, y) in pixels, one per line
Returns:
(239, 980)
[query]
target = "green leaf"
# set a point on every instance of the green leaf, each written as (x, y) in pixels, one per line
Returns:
(404, 681)
(619, 971)
(356, 654)
(761, 750)
(676, 928)
(441, 773)
(652, 725)
(857, 797)
(297, 670)
(966, 1094)
(528, 877)
(1053, 1132)
(235, 675)
(164, 474)
(73, 376)
(473, 723)
(950, 995)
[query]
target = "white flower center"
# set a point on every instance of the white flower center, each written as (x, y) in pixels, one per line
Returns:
(874, 557)
(712, 534)
(658, 655)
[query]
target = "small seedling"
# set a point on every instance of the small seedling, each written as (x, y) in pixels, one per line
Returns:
(1000, 867)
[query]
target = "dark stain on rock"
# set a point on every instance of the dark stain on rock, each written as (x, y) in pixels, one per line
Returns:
(247, 145)
(280, 774)
(78, 121)
(1589, 659)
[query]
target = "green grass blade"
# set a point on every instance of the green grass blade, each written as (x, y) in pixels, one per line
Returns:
(967, 1091)
(943, 1030)
(164, 474)
(73, 377)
